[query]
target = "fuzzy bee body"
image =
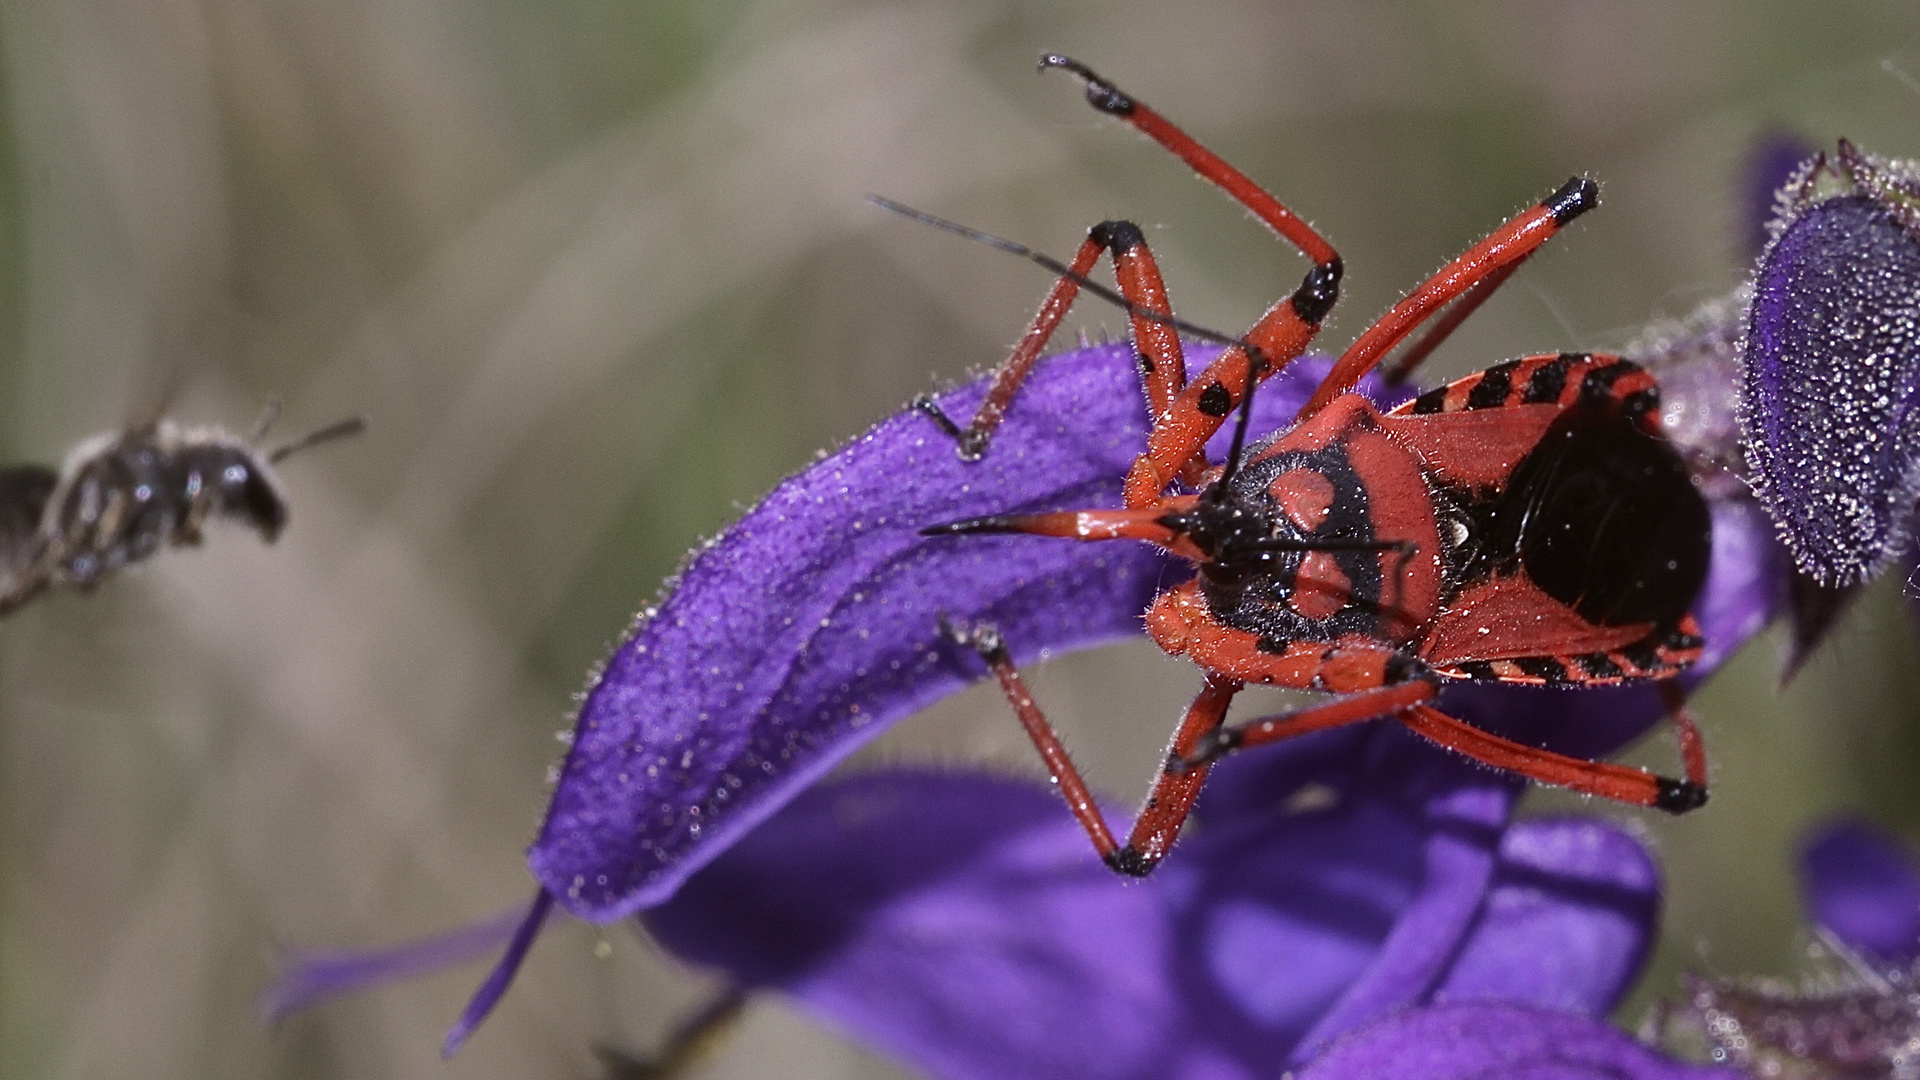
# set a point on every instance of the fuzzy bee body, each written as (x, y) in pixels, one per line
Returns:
(122, 496)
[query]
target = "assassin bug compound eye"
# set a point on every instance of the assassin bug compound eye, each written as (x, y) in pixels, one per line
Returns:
(1529, 524)
(122, 496)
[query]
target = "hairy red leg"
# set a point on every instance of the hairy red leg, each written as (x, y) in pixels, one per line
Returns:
(1158, 824)
(1693, 750)
(1280, 335)
(1487, 260)
(1443, 327)
(1616, 782)
(1156, 341)
(1339, 712)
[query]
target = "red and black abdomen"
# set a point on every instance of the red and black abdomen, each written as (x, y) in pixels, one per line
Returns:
(1579, 564)
(1602, 514)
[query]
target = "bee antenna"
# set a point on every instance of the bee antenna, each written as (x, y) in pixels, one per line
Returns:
(340, 429)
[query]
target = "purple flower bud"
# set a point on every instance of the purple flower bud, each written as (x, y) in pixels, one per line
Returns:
(1832, 371)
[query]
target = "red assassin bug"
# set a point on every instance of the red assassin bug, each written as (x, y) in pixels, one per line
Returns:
(1528, 524)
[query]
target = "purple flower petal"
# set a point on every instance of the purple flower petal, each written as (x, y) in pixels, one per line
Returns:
(960, 923)
(1863, 886)
(812, 623)
(494, 986)
(1393, 866)
(314, 976)
(1486, 1040)
(1832, 374)
(1569, 922)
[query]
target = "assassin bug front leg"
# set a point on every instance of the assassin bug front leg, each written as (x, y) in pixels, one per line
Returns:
(1528, 524)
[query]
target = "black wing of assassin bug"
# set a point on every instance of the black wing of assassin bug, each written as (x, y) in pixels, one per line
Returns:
(123, 495)
(1528, 524)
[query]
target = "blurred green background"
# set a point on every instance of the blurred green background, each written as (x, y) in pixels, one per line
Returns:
(600, 271)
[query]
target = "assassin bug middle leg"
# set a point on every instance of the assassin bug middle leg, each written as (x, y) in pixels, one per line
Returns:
(1528, 524)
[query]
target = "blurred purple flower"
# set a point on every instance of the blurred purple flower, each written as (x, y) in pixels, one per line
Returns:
(956, 922)
(1862, 888)
(1497, 1039)
(1831, 366)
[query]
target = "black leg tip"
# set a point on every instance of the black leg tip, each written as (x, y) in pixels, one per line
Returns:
(1680, 796)
(1101, 94)
(1576, 197)
(1130, 862)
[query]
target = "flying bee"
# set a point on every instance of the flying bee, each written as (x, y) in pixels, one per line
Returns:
(121, 496)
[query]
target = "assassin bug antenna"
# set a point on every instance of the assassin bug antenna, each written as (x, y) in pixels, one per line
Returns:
(1048, 262)
(971, 445)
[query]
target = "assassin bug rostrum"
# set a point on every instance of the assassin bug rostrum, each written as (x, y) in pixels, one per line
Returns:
(121, 496)
(1528, 524)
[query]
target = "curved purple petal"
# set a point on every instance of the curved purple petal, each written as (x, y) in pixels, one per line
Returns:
(1380, 839)
(314, 976)
(811, 624)
(1864, 887)
(1831, 376)
(1513, 1042)
(960, 923)
(1568, 924)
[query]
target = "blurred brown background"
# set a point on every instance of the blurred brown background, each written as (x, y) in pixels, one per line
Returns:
(601, 272)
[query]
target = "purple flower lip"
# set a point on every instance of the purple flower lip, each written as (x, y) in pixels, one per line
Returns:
(814, 621)
(1831, 366)
(954, 921)
(1471, 1041)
